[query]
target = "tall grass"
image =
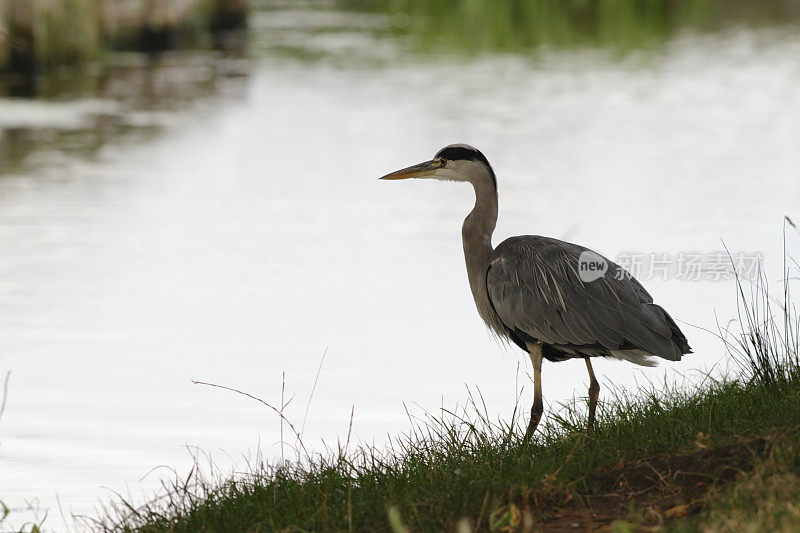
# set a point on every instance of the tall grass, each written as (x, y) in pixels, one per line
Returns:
(767, 346)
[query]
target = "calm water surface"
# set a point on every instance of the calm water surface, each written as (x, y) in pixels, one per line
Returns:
(236, 236)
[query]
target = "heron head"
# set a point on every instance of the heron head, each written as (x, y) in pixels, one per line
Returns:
(456, 162)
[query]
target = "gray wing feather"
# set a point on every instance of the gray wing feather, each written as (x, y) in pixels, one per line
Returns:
(535, 288)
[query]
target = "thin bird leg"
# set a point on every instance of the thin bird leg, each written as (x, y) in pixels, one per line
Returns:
(594, 392)
(535, 351)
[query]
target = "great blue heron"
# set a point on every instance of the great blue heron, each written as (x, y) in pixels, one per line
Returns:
(553, 299)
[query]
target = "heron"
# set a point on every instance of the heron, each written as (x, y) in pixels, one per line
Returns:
(554, 299)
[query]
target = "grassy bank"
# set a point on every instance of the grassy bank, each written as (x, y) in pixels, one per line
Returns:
(711, 455)
(481, 476)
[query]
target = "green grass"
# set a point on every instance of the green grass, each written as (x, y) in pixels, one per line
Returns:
(462, 471)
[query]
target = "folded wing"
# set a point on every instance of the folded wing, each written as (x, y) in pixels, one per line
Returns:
(534, 286)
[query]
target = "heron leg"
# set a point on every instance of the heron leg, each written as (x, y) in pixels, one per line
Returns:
(535, 351)
(594, 392)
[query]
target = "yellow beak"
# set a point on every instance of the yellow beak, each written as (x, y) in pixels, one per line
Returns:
(416, 171)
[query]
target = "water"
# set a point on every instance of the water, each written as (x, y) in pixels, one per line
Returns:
(236, 235)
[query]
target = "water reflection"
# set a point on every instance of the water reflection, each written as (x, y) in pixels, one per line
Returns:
(129, 102)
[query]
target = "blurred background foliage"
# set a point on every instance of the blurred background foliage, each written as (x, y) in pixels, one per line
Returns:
(41, 35)
(475, 26)
(44, 34)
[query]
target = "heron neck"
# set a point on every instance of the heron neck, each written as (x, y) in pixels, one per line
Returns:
(476, 234)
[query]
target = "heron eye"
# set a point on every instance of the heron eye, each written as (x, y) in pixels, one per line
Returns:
(442, 162)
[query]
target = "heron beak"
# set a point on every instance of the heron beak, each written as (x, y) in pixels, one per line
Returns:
(416, 171)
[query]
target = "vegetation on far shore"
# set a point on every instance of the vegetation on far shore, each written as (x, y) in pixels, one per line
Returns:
(44, 35)
(38, 36)
(480, 26)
